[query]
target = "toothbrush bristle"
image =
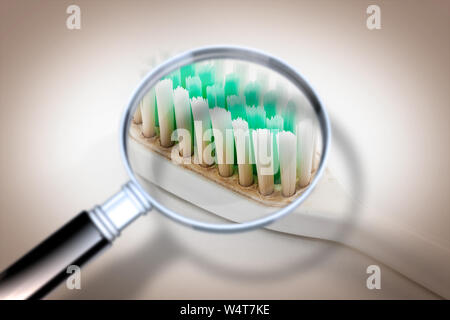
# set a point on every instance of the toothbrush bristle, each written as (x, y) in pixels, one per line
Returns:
(263, 148)
(287, 150)
(236, 107)
(164, 97)
(305, 142)
(256, 125)
(148, 106)
(183, 117)
(243, 151)
(223, 139)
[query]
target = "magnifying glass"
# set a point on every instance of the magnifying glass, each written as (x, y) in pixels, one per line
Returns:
(234, 131)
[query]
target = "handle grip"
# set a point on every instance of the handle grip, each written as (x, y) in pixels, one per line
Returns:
(43, 268)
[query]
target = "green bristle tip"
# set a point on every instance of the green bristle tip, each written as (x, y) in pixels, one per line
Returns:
(194, 86)
(156, 114)
(236, 107)
(215, 96)
(186, 72)
(270, 103)
(275, 123)
(176, 79)
(289, 116)
(256, 117)
(206, 72)
(231, 87)
(252, 92)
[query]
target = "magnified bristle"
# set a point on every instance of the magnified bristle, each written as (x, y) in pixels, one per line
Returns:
(241, 70)
(256, 117)
(287, 150)
(270, 103)
(186, 72)
(242, 143)
(194, 86)
(207, 77)
(164, 97)
(223, 139)
(263, 149)
(236, 107)
(137, 118)
(148, 112)
(275, 125)
(252, 93)
(305, 142)
(176, 79)
(290, 116)
(202, 123)
(183, 117)
(215, 96)
(276, 122)
(231, 87)
(219, 68)
(262, 78)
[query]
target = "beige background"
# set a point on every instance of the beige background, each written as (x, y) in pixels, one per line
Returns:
(62, 93)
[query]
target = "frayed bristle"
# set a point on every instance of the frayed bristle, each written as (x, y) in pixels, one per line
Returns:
(194, 86)
(231, 87)
(256, 117)
(207, 77)
(236, 107)
(215, 96)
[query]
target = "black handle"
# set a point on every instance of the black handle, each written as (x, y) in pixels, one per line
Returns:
(43, 268)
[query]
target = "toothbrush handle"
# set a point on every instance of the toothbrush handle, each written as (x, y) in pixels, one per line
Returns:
(44, 267)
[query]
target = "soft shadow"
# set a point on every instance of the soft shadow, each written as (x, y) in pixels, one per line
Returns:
(127, 276)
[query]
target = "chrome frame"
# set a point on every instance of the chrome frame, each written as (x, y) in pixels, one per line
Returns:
(224, 52)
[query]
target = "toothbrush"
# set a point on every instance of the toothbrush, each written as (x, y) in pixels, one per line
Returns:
(262, 124)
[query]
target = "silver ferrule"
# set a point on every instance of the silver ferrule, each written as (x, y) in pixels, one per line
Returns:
(119, 211)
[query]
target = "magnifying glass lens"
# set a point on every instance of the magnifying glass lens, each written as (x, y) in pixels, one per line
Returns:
(224, 141)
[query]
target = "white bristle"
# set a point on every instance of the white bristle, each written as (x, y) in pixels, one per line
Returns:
(242, 71)
(283, 96)
(287, 153)
(164, 98)
(242, 142)
(263, 148)
(306, 111)
(183, 116)
(242, 138)
(305, 145)
(219, 70)
(148, 113)
(137, 118)
(223, 139)
(202, 123)
(263, 77)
